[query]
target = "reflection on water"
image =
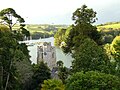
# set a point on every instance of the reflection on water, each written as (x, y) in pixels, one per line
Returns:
(65, 58)
(59, 54)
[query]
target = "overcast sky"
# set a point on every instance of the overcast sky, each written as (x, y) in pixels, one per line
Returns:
(60, 11)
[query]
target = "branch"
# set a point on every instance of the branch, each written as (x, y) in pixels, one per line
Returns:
(14, 23)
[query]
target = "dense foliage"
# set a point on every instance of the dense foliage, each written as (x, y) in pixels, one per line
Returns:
(59, 37)
(116, 53)
(10, 52)
(52, 84)
(109, 31)
(63, 72)
(41, 72)
(92, 81)
(89, 57)
(8, 16)
(82, 28)
(95, 65)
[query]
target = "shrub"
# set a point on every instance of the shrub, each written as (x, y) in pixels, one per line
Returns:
(92, 80)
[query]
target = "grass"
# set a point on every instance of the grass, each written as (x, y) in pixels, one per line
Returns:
(32, 28)
(114, 26)
(42, 28)
(109, 27)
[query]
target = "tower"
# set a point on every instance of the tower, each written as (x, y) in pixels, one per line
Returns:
(46, 53)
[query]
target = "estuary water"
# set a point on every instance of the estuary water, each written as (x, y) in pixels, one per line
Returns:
(59, 53)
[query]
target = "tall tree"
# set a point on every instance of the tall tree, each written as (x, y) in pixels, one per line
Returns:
(9, 17)
(9, 52)
(84, 15)
(90, 57)
(83, 28)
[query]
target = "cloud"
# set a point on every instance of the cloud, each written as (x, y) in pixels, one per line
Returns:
(40, 11)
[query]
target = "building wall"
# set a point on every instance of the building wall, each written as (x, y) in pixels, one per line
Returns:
(47, 53)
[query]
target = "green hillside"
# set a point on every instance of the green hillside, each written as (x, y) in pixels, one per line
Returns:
(110, 25)
(41, 30)
(109, 31)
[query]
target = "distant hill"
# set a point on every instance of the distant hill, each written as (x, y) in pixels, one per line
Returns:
(109, 25)
(109, 31)
(41, 30)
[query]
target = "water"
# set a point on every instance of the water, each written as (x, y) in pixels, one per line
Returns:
(59, 53)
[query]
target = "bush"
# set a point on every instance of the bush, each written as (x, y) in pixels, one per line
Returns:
(52, 84)
(92, 80)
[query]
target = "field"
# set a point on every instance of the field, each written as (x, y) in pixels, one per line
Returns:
(109, 31)
(46, 30)
(41, 30)
(109, 26)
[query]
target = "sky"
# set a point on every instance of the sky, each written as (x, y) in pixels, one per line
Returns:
(60, 11)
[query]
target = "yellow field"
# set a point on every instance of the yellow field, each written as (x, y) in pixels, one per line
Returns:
(114, 26)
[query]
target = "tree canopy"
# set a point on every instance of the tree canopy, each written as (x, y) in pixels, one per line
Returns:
(84, 15)
(82, 28)
(92, 80)
(41, 72)
(52, 84)
(116, 52)
(8, 16)
(9, 54)
(59, 37)
(89, 56)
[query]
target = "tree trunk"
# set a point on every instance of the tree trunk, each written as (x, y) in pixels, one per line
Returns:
(10, 27)
(1, 76)
(8, 76)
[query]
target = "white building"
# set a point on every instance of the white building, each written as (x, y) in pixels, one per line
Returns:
(46, 53)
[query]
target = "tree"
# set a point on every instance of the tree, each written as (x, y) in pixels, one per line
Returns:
(41, 72)
(9, 52)
(89, 56)
(60, 63)
(24, 67)
(92, 81)
(59, 37)
(63, 71)
(11, 55)
(83, 28)
(52, 84)
(84, 15)
(8, 16)
(25, 32)
(116, 52)
(108, 51)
